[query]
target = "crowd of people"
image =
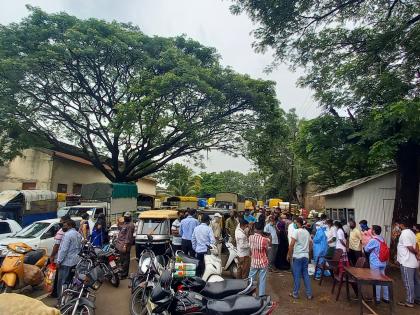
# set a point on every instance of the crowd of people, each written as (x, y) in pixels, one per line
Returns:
(68, 243)
(268, 240)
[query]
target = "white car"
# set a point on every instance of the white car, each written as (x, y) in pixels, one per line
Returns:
(38, 235)
(8, 228)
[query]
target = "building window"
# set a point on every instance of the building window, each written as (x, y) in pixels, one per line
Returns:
(29, 186)
(77, 189)
(350, 214)
(340, 214)
(62, 188)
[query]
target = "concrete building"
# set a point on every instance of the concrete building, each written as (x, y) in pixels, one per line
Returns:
(59, 172)
(370, 198)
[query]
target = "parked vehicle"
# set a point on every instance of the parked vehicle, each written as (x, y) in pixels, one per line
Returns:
(156, 223)
(215, 290)
(142, 282)
(90, 257)
(108, 261)
(212, 261)
(232, 261)
(13, 271)
(166, 301)
(8, 228)
(89, 280)
(38, 235)
(28, 206)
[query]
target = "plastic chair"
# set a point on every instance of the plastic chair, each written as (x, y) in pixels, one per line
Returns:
(331, 264)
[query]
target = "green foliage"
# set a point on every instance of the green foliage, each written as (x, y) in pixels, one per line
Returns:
(179, 179)
(360, 56)
(356, 53)
(328, 147)
(122, 96)
(270, 147)
(393, 127)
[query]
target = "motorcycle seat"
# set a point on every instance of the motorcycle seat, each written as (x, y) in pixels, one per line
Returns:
(188, 259)
(222, 289)
(236, 305)
(99, 252)
(32, 257)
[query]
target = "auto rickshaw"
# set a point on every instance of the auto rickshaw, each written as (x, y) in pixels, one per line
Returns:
(156, 223)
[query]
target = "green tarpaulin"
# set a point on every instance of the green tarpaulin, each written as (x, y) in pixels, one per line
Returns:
(105, 191)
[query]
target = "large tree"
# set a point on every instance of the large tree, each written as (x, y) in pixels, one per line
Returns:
(327, 148)
(127, 100)
(361, 57)
(270, 147)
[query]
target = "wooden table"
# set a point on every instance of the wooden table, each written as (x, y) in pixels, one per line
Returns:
(365, 276)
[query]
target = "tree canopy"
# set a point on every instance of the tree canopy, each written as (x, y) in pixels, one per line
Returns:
(360, 57)
(128, 100)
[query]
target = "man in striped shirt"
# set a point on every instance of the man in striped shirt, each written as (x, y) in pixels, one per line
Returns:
(259, 259)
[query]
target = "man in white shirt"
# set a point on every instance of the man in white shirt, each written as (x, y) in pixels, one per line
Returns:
(242, 246)
(299, 249)
(331, 233)
(271, 228)
(406, 256)
(176, 238)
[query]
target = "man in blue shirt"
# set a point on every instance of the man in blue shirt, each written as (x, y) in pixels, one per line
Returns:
(373, 248)
(201, 238)
(68, 253)
(271, 228)
(186, 231)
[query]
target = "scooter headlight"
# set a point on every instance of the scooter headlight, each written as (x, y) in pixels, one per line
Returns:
(20, 249)
(144, 264)
(96, 285)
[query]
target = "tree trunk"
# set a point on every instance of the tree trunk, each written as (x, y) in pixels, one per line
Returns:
(407, 187)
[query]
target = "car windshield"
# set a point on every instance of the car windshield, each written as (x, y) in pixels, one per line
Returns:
(153, 226)
(62, 212)
(32, 231)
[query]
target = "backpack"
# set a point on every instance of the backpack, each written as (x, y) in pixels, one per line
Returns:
(383, 251)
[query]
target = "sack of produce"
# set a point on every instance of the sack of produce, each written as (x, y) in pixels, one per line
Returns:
(32, 275)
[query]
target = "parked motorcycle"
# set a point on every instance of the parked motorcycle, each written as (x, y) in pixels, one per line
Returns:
(83, 301)
(166, 301)
(143, 281)
(232, 261)
(215, 290)
(212, 264)
(109, 262)
(12, 272)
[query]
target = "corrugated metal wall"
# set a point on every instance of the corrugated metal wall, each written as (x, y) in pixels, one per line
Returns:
(374, 202)
(342, 200)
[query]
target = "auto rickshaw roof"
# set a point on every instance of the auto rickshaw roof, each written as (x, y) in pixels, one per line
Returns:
(159, 214)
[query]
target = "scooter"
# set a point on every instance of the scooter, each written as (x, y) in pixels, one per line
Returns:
(12, 271)
(212, 265)
(232, 261)
(168, 302)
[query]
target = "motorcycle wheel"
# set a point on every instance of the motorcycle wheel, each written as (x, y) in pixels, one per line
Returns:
(115, 279)
(233, 269)
(138, 302)
(81, 310)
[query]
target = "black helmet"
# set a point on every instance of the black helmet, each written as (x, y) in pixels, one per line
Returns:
(160, 296)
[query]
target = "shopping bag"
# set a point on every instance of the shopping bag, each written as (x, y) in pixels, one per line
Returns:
(50, 276)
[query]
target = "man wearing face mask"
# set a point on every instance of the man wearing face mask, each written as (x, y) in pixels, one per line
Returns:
(124, 242)
(244, 259)
(68, 253)
(57, 240)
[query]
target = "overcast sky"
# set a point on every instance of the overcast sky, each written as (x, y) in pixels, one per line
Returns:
(209, 22)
